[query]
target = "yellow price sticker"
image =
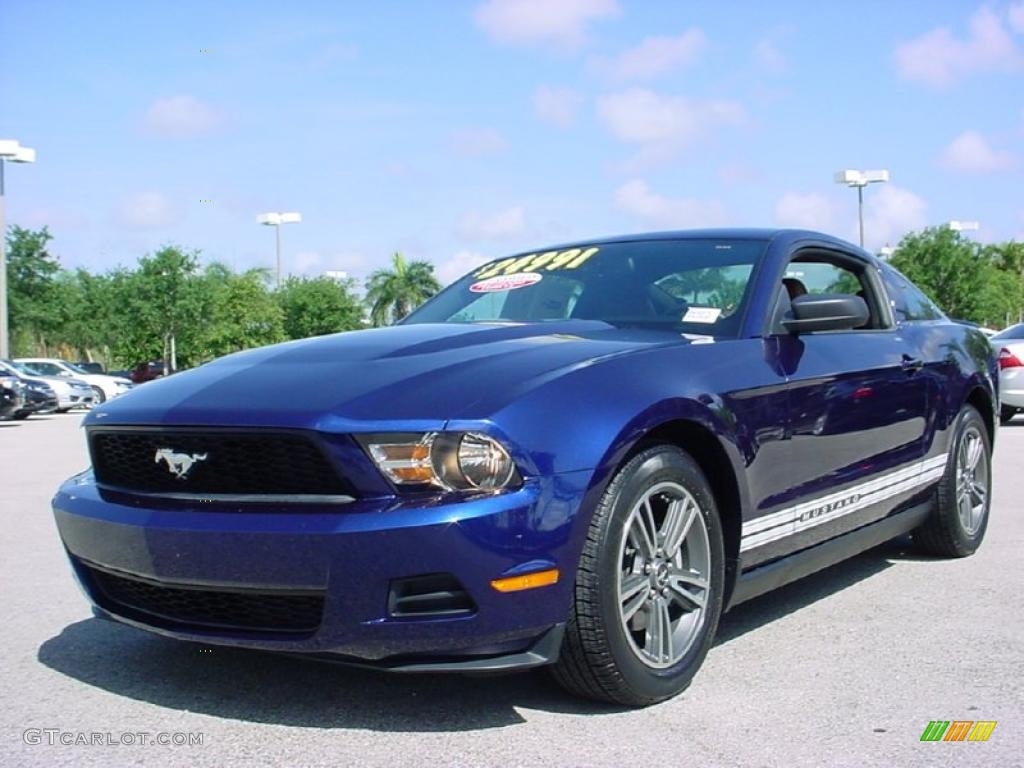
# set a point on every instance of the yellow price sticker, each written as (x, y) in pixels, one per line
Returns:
(548, 261)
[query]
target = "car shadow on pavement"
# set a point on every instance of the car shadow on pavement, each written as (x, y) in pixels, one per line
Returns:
(799, 594)
(285, 690)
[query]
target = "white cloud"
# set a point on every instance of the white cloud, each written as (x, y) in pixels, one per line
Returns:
(769, 58)
(939, 58)
(541, 21)
(655, 55)
(479, 142)
(636, 198)
(970, 152)
(890, 212)
(495, 226)
(458, 265)
(640, 116)
(810, 211)
(557, 106)
(147, 210)
(182, 116)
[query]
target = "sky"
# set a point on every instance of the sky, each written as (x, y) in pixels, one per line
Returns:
(460, 131)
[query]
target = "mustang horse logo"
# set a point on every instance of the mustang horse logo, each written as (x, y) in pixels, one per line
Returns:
(180, 464)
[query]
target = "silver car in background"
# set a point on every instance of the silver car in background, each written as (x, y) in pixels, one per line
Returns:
(1009, 346)
(71, 392)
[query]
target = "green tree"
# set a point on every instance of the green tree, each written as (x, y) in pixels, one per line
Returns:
(316, 306)
(241, 313)
(950, 269)
(84, 307)
(161, 308)
(31, 271)
(394, 293)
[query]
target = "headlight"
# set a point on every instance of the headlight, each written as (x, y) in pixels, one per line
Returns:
(457, 461)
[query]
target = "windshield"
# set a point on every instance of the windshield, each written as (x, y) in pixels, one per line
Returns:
(75, 368)
(693, 286)
(1013, 332)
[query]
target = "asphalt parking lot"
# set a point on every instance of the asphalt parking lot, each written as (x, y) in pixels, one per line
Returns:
(844, 668)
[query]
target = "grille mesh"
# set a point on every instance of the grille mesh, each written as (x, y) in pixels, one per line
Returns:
(248, 610)
(254, 462)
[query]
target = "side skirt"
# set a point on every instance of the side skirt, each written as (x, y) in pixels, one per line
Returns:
(765, 578)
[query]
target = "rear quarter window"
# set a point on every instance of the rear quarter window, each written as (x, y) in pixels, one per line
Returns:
(909, 304)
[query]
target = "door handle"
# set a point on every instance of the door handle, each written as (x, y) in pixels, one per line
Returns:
(911, 364)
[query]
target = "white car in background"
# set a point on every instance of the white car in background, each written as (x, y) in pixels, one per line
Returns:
(71, 393)
(104, 387)
(1009, 346)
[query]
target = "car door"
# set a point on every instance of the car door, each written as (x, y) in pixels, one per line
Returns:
(858, 411)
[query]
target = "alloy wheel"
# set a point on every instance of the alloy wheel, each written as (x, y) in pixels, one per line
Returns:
(972, 480)
(663, 576)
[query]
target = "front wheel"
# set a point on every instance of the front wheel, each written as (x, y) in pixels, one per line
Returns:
(649, 587)
(958, 522)
(1006, 413)
(98, 395)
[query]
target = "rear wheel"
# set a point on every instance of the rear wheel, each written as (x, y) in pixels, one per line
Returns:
(649, 586)
(957, 525)
(1006, 413)
(98, 396)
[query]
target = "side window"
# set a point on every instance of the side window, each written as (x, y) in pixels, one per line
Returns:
(908, 303)
(816, 272)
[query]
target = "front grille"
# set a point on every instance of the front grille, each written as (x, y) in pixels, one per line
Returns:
(203, 607)
(213, 462)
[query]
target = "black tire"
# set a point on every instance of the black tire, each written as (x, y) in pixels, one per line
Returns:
(98, 396)
(22, 415)
(598, 660)
(63, 410)
(1006, 413)
(944, 533)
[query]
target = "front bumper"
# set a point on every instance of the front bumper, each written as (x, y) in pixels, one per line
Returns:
(75, 398)
(351, 555)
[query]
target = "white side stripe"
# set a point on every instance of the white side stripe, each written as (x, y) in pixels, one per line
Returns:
(809, 514)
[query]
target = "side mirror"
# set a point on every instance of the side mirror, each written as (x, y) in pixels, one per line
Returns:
(826, 312)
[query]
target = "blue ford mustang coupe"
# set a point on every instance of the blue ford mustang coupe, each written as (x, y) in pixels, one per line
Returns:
(577, 456)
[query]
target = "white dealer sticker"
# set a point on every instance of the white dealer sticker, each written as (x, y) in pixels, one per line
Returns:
(701, 315)
(506, 282)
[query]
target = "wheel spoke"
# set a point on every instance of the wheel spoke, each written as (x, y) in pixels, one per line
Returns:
(966, 510)
(686, 589)
(640, 538)
(978, 491)
(678, 521)
(632, 594)
(658, 639)
(973, 452)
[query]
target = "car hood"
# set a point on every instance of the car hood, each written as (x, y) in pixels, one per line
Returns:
(416, 375)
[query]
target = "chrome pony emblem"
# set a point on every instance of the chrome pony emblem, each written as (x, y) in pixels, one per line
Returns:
(180, 464)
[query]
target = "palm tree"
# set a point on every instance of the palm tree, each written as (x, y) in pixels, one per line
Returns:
(394, 293)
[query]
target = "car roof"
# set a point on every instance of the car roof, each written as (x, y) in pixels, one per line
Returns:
(766, 234)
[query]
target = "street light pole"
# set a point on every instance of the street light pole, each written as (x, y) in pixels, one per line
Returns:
(860, 212)
(860, 179)
(275, 220)
(13, 151)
